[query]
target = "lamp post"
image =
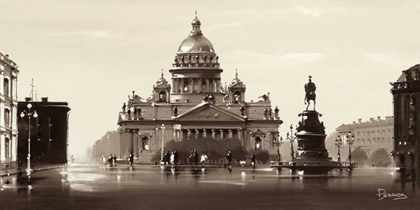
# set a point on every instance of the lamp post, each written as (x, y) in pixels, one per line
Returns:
(279, 142)
(291, 137)
(350, 140)
(107, 136)
(29, 114)
(338, 143)
(161, 152)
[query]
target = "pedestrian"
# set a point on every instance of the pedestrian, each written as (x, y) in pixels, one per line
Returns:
(176, 157)
(203, 158)
(191, 158)
(131, 159)
(196, 158)
(229, 157)
(72, 158)
(115, 160)
(253, 160)
(172, 158)
(110, 160)
(167, 158)
(104, 160)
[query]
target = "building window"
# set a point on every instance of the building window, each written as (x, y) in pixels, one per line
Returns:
(7, 147)
(6, 87)
(7, 117)
(162, 96)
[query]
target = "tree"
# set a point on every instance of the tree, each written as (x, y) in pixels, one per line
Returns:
(380, 157)
(359, 154)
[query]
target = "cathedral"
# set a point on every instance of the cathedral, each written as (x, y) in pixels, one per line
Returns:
(196, 105)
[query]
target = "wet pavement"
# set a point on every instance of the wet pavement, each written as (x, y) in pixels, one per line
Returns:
(87, 186)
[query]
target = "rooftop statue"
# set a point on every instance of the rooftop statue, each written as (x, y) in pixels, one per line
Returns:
(310, 89)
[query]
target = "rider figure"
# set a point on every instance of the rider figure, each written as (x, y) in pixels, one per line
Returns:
(310, 89)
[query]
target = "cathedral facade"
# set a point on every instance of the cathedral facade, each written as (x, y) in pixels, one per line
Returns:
(196, 105)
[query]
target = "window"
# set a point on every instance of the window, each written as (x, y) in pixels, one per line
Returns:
(7, 117)
(6, 87)
(7, 147)
(162, 96)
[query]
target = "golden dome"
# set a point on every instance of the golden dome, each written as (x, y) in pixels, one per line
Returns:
(196, 42)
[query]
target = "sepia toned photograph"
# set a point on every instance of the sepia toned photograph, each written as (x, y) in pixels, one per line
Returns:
(189, 104)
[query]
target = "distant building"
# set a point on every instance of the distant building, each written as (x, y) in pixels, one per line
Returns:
(406, 92)
(49, 131)
(370, 135)
(197, 105)
(8, 112)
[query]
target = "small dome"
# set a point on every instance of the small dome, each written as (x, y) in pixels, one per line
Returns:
(196, 21)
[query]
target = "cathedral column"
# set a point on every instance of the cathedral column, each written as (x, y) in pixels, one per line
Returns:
(213, 133)
(230, 133)
(204, 133)
(174, 135)
(181, 135)
(221, 134)
(200, 86)
(188, 134)
(239, 135)
(207, 85)
(196, 133)
(191, 85)
(217, 86)
(182, 85)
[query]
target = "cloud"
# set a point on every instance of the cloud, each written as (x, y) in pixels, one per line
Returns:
(386, 59)
(314, 12)
(100, 34)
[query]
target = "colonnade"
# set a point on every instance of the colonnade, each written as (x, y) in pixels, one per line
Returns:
(196, 85)
(186, 134)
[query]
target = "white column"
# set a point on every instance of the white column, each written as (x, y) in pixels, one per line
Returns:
(204, 133)
(13, 152)
(213, 133)
(239, 135)
(174, 135)
(196, 133)
(188, 134)
(181, 135)
(1, 81)
(2, 148)
(230, 133)
(15, 88)
(14, 116)
(221, 134)
(2, 114)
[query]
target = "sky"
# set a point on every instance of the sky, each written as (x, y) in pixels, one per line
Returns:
(94, 53)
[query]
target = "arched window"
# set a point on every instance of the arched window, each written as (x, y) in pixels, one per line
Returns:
(7, 117)
(7, 147)
(237, 97)
(145, 143)
(186, 86)
(6, 87)
(162, 96)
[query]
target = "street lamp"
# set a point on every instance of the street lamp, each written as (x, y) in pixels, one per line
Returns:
(338, 143)
(350, 140)
(279, 142)
(161, 152)
(291, 137)
(29, 114)
(107, 136)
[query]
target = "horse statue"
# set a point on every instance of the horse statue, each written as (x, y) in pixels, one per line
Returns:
(310, 89)
(265, 97)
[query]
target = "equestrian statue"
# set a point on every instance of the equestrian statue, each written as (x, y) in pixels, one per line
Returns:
(310, 93)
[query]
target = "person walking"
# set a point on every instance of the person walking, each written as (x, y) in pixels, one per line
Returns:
(203, 158)
(172, 158)
(253, 160)
(114, 160)
(131, 159)
(176, 157)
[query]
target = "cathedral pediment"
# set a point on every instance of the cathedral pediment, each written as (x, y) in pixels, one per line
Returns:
(208, 112)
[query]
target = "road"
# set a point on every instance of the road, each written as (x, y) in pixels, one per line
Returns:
(86, 186)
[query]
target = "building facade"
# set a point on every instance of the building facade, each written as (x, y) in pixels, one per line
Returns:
(370, 135)
(48, 131)
(196, 105)
(8, 112)
(406, 93)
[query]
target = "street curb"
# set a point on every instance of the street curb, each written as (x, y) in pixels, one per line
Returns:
(34, 170)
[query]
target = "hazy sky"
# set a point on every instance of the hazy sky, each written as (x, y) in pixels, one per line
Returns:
(93, 53)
